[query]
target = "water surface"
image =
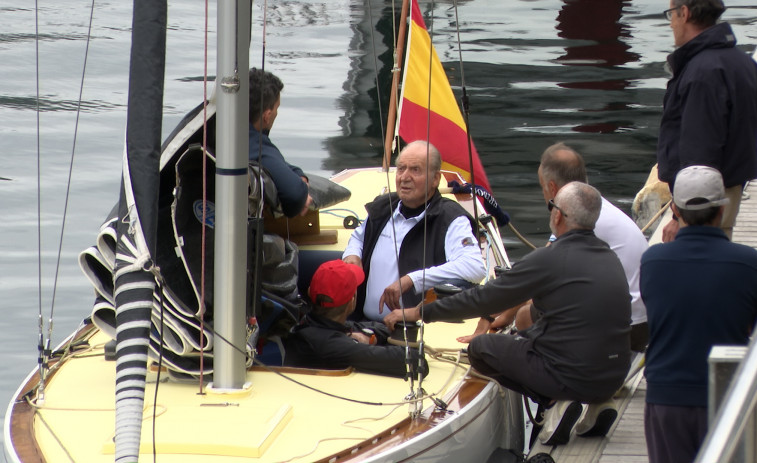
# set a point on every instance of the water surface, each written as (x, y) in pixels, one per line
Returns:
(587, 72)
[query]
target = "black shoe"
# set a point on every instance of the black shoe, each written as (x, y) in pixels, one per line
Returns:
(598, 419)
(559, 421)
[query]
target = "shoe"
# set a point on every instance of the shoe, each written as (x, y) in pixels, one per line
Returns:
(597, 420)
(559, 421)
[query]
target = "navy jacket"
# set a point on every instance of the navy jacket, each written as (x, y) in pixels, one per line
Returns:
(710, 109)
(292, 191)
(700, 290)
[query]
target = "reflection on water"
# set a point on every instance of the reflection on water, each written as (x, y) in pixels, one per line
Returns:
(596, 33)
(587, 72)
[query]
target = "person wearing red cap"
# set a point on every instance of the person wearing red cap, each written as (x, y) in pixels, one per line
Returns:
(327, 340)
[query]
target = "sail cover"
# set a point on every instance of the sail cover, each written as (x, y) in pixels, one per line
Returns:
(428, 109)
(137, 227)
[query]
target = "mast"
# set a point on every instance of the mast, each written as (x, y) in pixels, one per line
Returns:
(232, 147)
(392, 114)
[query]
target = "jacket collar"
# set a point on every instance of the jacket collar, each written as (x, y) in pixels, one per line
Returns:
(317, 321)
(701, 230)
(379, 206)
(718, 36)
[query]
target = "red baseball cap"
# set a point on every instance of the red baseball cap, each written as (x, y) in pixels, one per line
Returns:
(334, 283)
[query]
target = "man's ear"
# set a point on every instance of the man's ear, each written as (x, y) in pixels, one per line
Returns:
(438, 178)
(558, 218)
(685, 13)
(675, 210)
(552, 188)
(266, 116)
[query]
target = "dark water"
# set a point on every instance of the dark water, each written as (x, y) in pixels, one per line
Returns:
(587, 72)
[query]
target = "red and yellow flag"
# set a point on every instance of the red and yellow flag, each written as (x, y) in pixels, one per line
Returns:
(434, 115)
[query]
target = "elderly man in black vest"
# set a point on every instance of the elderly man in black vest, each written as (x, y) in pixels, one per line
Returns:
(389, 244)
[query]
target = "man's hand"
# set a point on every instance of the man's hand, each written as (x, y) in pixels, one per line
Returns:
(354, 260)
(411, 315)
(670, 230)
(361, 338)
(393, 292)
(307, 205)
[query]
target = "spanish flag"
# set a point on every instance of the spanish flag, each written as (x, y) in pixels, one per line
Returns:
(433, 115)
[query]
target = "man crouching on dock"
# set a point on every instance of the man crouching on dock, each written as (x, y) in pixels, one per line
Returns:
(578, 351)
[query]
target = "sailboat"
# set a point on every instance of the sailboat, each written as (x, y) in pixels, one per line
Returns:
(179, 385)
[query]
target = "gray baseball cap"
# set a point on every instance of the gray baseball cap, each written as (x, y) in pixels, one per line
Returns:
(699, 187)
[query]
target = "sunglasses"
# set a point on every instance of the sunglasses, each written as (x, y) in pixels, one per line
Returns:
(551, 205)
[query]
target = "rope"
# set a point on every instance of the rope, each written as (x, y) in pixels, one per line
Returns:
(520, 237)
(656, 216)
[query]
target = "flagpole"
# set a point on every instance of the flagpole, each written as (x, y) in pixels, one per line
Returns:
(392, 114)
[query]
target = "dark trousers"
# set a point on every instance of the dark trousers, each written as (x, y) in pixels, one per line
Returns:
(639, 337)
(510, 360)
(674, 434)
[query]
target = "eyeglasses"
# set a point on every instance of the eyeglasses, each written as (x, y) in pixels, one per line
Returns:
(551, 205)
(669, 12)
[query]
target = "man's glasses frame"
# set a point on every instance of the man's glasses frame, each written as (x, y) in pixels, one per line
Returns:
(668, 14)
(551, 205)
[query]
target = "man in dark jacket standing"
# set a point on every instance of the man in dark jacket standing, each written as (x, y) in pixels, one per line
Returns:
(710, 107)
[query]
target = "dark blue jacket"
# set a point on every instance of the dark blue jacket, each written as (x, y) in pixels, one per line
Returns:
(710, 109)
(700, 290)
(292, 191)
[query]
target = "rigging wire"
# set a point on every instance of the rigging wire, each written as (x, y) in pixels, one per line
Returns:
(466, 117)
(375, 65)
(41, 319)
(204, 199)
(421, 342)
(44, 344)
(70, 168)
(160, 283)
(410, 369)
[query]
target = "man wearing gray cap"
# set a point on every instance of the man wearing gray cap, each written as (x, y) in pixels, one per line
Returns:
(700, 290)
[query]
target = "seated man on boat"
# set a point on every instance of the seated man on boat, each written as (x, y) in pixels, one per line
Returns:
(327, 340)
(700, 291)
(290, 181)
(417, 215)
(578, 350)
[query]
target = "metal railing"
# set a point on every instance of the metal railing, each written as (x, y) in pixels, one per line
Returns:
(735, 412)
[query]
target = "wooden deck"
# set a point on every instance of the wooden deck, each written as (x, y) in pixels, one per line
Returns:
(625, 442)
(745, 231)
